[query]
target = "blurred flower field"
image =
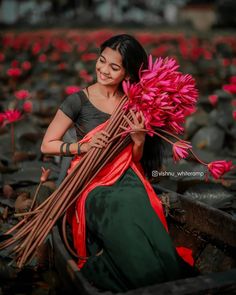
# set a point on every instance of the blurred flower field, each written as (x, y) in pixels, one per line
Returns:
(39, 69)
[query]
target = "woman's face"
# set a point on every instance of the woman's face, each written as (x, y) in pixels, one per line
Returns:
(109, 68)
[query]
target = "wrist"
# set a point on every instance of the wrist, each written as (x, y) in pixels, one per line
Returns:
(74, 148)
(139, 144)
(84, 147)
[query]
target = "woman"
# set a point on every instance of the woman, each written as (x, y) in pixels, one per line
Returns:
(131, 237)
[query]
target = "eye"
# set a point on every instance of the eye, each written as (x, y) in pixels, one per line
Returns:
(115, 69)
(101, 60)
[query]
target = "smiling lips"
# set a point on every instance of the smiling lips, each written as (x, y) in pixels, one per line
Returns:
(102, 76)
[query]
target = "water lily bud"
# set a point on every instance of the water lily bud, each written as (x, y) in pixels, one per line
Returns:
(45, 174)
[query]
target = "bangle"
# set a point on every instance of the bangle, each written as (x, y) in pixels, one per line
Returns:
(78, 150)
(68, 153)
(61, 148)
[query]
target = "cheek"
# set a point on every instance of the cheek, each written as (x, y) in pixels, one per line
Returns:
(120, 76)
(98, 65)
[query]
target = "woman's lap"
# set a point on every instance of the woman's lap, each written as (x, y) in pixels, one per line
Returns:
(137, 250)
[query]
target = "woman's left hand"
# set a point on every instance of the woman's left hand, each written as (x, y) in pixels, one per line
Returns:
(138, 119)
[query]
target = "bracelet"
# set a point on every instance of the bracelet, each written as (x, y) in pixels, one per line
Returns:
(78, 150)
(61, 148)
(68, 153)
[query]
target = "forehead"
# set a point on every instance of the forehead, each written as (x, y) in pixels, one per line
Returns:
(112, 56)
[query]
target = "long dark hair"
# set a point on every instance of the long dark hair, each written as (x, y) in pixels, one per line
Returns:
(133, 57)
(132, 52)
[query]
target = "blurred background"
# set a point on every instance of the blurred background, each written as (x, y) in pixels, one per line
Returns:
(48, 51)
(197, 14)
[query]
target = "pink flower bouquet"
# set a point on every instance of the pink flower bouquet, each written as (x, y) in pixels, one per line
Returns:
(166, 96)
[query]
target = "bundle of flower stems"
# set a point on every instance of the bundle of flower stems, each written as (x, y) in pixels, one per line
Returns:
(33, 229)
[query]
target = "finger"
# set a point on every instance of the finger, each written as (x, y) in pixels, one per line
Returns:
(103, 132)
(96, 145)
(99, 145)
(124, 128)
(99, 136)
(134, 116)
(101, 140)
(143, 118)
(128, 121)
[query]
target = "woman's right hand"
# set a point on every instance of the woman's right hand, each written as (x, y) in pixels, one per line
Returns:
(98, 140)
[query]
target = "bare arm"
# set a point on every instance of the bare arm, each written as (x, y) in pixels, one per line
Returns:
(52, 140)
(53, 137)
(137, 151)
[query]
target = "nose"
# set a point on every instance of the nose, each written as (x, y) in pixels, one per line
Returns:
(105, 69)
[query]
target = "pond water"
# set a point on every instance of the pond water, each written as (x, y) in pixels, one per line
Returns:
(32, 282)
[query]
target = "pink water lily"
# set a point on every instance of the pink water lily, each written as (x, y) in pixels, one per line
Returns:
(12, 116)
(89, 56)
(45, 174)
(180, 149)
(213, 99)
(27, 107)
(230, 88)
(232, 80)
(234, 115)
(42, 58)
(163, 94)
(2, 118)
(26, 65)
(71, 89)
(2, 57)
(219, 168)
(22, 94)
(14, 72)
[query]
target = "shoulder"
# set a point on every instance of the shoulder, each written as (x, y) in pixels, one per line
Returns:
(71, 105)
(74, 99)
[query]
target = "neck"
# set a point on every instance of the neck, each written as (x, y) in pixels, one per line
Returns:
(108, 91)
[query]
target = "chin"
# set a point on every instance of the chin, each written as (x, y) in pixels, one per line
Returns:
(103, 82)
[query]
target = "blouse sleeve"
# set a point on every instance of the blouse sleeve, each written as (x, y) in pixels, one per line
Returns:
(71, 106)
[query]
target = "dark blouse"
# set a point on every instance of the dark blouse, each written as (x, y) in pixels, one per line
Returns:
(83, 113)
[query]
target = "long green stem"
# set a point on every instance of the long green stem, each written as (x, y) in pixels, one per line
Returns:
(12, 141)
(35, 196)
(203, 163)
(169, 133)
(141, 129)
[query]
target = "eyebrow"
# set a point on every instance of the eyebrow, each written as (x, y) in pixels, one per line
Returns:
(112, 62)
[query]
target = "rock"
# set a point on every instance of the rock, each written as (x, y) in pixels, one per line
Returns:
(6, 272)
(209, 138)
(224, 97)
(26, 126)
(30, 172)
(8, 191)
(23, 202)
(212, 194)
(221, 117)
(201, 117)
(190, 127)
(7, 202)
(5, 147)
(20, 156)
